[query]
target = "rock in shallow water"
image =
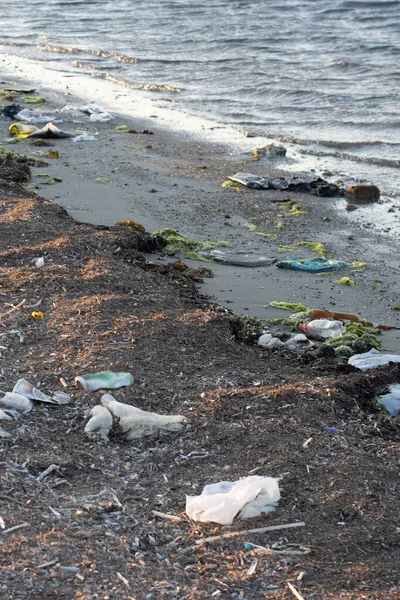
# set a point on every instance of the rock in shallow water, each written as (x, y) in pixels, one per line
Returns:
(362, 194)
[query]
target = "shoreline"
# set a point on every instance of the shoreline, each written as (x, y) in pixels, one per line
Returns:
(172, 180)
(314, 425)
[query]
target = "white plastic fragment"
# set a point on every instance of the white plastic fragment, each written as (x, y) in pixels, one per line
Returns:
(135, 423)
(105, 380)
(222, 502)
(4, 433)
(4, 416)
(372, 359)
(38, 262)
(391, 401)
(84, 138)
(266, 340)
(60, 397)
(296, 341)
(16, 402)
(99, 424)
(324, 328)
(24, 388)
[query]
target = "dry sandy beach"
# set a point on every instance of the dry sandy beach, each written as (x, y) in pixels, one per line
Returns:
(91, 531)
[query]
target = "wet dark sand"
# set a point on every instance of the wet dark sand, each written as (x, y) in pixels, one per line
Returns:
(168, 179)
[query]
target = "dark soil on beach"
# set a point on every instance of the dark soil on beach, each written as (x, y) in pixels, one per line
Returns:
(90, 531)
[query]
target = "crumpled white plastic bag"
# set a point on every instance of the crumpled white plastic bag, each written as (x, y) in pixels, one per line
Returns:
(371, 359)
(222, 502)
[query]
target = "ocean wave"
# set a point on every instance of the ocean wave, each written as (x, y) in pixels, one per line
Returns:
(103, 53)
(147, 87)
(370, 160)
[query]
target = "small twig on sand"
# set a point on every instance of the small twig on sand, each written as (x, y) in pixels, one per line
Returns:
(11, 499)
(165, 516)
(217, 538)
(49, 470)
(123, 579)
(12, 309)
(294, 591)
(46, 564)
(11, 529)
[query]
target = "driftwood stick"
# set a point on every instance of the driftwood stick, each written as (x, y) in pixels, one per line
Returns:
(295, 592)
(12, 309)
(11, 529)
(49, 470)
(217, 538)
(162, 515)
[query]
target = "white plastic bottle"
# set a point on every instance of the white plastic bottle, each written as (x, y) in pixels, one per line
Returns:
(324, 328)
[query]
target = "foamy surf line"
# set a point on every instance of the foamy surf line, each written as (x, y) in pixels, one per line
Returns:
(114, 98)
(142, 105)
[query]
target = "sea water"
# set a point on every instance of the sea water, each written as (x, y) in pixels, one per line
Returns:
(320, 77)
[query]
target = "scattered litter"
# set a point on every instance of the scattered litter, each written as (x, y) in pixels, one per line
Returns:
(50, 131)
(240, 259)
(323, 328)
(267, 340)
(4, 416)
(100, 423)
(391, 401)
(318, 186)
(37, 314)
(11, 111)
(24, 388)
(16, 402)
(35, 116)
(84, 138)
(106, 380)
(97, 117)
(333, 430)
(372, 359)
(103, 180)
(315, 265)
(60, 397)
(4, 434)
(39, 262)
(135, 423)
(22, 131)
(222, 502)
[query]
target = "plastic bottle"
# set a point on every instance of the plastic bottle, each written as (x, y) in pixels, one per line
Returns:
(346, 318)
(327, 314)
(323, 328)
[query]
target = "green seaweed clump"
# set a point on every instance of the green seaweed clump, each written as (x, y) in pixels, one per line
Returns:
(359, 337)
(33, 100)
(292, 306)
(21, 158)
(345, 281)
(177, 242)
(231, 185)
(344, 351)
(317, 247)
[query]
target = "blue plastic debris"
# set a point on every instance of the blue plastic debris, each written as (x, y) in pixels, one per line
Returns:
(313, 265)
(334, 430)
